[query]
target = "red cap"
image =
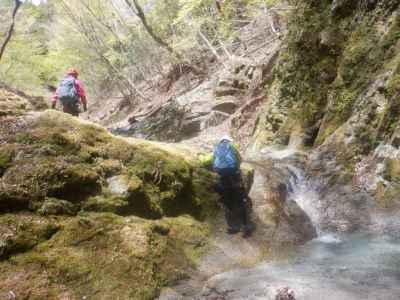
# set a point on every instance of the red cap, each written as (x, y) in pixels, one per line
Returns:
(73, 72)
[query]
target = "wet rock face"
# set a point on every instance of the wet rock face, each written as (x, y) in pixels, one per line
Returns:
(292, 224)
(346, 110)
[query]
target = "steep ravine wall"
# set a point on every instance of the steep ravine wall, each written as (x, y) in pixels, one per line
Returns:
(336, 93)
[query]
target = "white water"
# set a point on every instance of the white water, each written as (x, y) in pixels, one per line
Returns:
(304, 193)
(330, 267)
(356, 268)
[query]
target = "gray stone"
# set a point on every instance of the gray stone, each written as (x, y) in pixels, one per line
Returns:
(227, 91)
(118, 185)
(215, 119)
(228, 107)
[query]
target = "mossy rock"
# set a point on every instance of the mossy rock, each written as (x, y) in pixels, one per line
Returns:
(392, 170)
(104, 256)
(387, 196)
(6, 155)
(247, 176)
(114, 204)
(54, 206)
(62, 157)
(110, 217)
(12, 104)
(20, 233)
(334, 51)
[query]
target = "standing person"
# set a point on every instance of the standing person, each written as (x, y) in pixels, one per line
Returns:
(71, 94)
(226, 162)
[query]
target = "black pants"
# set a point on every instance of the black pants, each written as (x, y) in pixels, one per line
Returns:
(72, 109)
(234, 198)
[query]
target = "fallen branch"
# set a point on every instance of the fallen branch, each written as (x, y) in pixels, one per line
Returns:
(213, 50)
(261, 46)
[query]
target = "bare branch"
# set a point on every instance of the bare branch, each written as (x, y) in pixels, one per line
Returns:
(138, 11)
(17, 5)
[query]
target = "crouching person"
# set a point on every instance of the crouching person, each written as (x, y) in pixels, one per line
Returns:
(226, 163)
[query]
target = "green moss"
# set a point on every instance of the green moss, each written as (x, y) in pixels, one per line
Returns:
(12, 104)
(344, 103)
(71, 160)
(54, 206)
(393, 86)
(20, 233)
(104, 256)
(366, 138)
(392, 170)
(329, 59)
(393, 36)
(111, 203)
(387, 196)
(65, 165)
(6, 156)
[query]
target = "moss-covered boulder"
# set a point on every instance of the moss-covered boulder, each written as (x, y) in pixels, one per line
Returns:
(105, 256)
(19, 233)
(12, 104)
(85, 214)
(61, 157)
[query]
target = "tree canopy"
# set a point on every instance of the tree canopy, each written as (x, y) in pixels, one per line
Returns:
(116, 44)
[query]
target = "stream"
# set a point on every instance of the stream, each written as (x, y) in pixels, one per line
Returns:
(330, 267)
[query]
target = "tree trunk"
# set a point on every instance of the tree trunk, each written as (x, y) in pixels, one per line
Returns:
(218, 5)
(138, 11)
(17, 5)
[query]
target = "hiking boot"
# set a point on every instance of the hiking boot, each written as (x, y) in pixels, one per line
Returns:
(232, 231)
(247, 231)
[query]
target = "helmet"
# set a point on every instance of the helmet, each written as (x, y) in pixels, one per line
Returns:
(73, 72)
(226, 138)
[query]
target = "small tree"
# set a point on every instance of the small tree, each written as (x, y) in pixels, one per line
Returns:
(10, 31)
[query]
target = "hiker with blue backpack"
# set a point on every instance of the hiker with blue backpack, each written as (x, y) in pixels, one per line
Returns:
(226, 163)
(71, 94)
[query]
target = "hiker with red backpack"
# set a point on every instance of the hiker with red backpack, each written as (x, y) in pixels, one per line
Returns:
(226, 162)
(71, 94)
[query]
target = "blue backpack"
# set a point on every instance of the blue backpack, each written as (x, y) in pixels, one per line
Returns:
(67, 92)
(225, 156)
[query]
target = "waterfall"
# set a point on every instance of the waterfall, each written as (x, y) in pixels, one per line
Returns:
(304, 193)
(301, 189)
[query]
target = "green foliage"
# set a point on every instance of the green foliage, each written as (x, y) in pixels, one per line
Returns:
(331, 59)
(344, 102)
(108, 43)
(393, 86)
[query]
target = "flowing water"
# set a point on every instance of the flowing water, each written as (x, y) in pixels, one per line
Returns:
(330, 267)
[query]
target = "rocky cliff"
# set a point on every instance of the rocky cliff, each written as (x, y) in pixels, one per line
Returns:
(336, 94)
